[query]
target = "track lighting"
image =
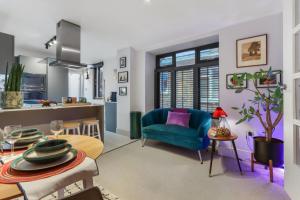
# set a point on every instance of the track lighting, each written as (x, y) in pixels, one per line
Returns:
(51, 42)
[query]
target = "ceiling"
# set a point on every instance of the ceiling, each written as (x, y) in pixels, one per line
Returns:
(108, 25)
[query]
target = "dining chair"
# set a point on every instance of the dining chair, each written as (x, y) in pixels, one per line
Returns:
(92, 193)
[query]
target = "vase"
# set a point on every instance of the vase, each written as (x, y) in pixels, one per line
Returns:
(11, 100)
(268, 150)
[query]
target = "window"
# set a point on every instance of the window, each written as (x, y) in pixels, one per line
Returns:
(192, 81)
(185, 58)
(184, 89)
(98, 83)
(209, 54)
(209, 88)
(165, 61)
(165, 89)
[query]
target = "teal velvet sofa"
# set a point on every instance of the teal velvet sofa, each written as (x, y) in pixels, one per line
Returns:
(195, 137)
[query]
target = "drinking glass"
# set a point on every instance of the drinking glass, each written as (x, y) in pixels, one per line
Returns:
(13, 134)
(2, 139)
(57, 127)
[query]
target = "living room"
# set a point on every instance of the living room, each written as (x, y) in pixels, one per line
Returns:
(148, 101)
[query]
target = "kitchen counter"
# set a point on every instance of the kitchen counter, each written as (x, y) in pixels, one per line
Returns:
(27, 108)
(42, 116)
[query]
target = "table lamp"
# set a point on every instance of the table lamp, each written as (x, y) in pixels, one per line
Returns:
(223, 128)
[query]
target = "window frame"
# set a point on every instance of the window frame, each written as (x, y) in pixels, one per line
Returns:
(97, 72)
(173, 68)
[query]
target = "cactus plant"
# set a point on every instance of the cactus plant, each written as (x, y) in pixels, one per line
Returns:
(13, 81)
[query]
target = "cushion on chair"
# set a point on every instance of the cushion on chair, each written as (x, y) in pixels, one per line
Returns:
(177, 118)
(170, 130)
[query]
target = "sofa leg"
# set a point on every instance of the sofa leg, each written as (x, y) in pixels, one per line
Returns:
(200, 157)
(143, 140)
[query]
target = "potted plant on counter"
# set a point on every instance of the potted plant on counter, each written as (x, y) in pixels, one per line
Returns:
(267, 107)
(12, 96)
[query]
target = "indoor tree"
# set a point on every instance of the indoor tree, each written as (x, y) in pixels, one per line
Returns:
(264, 102)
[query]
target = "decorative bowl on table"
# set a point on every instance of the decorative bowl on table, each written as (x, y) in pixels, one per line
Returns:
(29, 139)
(36, 157)
(223, 132)
(50, 145)
(27, 132)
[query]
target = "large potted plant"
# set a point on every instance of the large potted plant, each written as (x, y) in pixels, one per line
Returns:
(267, 106)
(12, 96)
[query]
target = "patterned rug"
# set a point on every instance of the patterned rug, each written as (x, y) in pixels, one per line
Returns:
(77, 187)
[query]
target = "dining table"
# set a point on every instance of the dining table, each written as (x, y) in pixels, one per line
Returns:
(91, 146)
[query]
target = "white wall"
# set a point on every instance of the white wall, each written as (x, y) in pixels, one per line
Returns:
(271, 25)
(125, 102)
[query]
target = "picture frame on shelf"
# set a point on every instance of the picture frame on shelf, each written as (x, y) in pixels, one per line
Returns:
(231, 84)
(123, 62)
(123, 77)
(252, 51)
(122, 91)
(271, 81)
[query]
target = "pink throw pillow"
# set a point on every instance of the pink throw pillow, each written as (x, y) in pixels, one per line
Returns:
(180, 110)
(177, 118)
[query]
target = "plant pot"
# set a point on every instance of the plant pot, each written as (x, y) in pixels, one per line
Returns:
(11, 100)
(265, 151)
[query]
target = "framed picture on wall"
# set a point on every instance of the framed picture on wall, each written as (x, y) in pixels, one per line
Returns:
(252, 51)
(270, 80)
(123, 77)
(123, 91)
(123, 61)
(232, 84)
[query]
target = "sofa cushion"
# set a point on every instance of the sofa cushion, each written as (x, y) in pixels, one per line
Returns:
(171, 130)
(180, 119)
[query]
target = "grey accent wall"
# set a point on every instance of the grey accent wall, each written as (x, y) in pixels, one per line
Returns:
(7, 51)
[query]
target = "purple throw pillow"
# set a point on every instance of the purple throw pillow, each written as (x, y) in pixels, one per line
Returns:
(180, 110)
(180, 119)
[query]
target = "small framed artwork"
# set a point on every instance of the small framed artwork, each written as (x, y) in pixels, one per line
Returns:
(123, 91)
(232, 84)
(252, 51)
(123, 77)
(269, 81)
(123, 62)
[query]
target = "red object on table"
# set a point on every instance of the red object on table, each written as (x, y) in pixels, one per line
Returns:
(9, 176)
(219, 112)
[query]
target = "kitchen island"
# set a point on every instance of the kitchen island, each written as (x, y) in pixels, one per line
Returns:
(40, 117)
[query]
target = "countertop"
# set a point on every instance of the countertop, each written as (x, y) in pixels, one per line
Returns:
(29, 108)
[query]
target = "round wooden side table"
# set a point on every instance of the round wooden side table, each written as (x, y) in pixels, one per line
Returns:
(214, 139)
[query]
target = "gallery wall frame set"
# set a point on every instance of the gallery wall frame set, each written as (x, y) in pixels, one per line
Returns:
(123, 77)
(122, 91)
(123, 62)
(270, 82)
(252, 51)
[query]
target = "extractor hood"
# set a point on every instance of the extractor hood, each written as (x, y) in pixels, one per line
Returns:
(68, 46)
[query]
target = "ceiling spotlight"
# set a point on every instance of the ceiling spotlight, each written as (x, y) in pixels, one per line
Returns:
(51, 42)
(147, 1)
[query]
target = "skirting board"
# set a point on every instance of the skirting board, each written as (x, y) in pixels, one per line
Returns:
(228, 152)
(123, 132)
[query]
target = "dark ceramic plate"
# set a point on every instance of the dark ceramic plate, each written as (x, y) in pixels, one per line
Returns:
(20, 164)
(45, 157)
(50, 145)
(30, 139)
(27, 132)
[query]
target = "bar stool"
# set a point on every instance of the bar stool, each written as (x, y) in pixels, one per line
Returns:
(73, 126)
(91, 124)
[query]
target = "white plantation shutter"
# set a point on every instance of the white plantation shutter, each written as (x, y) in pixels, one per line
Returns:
(165, 89)
(209, 88)
(184, 89)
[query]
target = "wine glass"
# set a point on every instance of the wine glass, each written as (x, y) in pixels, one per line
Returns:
(13, 134)
(2, 139)
(57, 127)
